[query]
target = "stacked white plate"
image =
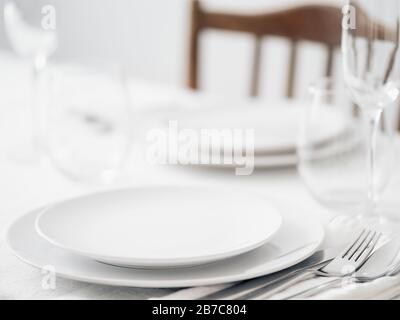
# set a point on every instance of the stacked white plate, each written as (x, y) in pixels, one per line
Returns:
(275, 126)
(164, 237)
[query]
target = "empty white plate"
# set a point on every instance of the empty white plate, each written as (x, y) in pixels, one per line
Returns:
(299, 237)
(275, 125)
(160, 227)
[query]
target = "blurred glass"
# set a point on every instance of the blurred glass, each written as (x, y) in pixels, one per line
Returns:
(332, 146)
(31, 30)
(88, 132)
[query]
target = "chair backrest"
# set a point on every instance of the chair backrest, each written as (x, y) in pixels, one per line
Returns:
(321, 24)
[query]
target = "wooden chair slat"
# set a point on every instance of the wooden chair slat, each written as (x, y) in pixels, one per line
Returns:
(255, 80)
(292, 69)
(296, 24)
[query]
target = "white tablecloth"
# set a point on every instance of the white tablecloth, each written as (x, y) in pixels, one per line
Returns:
(24, 188)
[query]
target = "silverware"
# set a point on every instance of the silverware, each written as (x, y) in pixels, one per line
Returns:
(347, 262)
(383, 262)
(317, 260)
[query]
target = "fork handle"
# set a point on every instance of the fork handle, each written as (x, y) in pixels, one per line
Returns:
(266, 292)
(316, 290)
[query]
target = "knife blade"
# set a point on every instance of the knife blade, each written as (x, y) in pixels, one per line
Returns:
(270, 282)
(381, 263)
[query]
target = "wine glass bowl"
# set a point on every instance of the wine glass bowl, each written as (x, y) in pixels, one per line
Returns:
(23, 25)
(370, 50)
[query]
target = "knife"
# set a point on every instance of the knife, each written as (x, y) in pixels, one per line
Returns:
(383, 262)
(274, 281)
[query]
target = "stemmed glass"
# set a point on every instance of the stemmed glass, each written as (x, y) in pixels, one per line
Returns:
(30, 28)
(370, 51)
(331, 154)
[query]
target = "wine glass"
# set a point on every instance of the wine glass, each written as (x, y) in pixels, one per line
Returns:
(30, 28)
(370, 51)
(331, 154)
(88, 131)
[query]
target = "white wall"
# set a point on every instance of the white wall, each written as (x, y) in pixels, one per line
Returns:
(150, 37)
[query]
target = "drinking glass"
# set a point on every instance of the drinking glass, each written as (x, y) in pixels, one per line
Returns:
(88, 120)
(30, 28)
(331, 152)
(370, 51)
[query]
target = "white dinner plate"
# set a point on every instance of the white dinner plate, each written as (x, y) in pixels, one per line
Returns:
(261, 162)
(160, 227)
(299, 237)
(275, 124)
(349, 141)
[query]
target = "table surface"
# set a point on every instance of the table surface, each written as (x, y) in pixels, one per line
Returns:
(24, 188)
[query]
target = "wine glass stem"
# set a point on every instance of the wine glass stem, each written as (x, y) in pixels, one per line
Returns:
(372, 121)
(38, 65)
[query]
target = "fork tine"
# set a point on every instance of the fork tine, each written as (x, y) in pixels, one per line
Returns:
(350, 246)
(355, 245)
(368, 249)
(363, 244)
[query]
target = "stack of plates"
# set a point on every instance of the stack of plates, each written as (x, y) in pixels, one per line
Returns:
(276, 128)
(164, 237)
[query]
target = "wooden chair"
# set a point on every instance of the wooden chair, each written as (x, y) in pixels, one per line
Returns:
(320, 24)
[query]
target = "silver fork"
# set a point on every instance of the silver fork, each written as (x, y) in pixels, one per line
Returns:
(384, 262)
(346, 263)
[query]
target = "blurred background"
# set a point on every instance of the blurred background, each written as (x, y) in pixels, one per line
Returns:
(151, 39)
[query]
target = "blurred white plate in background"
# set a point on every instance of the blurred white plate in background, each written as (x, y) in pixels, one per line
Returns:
(299, 237)
(161, 227)
(275, 125)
